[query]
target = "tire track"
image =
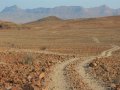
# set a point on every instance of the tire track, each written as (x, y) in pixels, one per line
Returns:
(58, 78)
(82, 69)
(58, 81)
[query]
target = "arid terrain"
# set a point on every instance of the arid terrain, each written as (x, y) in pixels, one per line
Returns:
(56, 54)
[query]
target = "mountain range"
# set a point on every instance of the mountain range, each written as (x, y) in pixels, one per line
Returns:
(18, 15)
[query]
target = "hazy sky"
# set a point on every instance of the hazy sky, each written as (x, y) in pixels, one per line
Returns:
(53, 3)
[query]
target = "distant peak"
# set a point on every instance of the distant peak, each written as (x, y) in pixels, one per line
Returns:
(14, 6)
(11, 8)
(105, 6)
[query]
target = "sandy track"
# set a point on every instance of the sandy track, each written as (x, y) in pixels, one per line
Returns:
(82, 69)
(58, 78)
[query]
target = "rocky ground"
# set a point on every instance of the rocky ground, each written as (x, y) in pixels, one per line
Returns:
(26, 71)
(107, 70)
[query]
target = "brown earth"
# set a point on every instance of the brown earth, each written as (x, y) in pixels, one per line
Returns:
(25, 70)
(107, 70)
(51, 53)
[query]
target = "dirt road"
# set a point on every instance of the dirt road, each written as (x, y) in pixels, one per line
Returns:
(58, 77)
(82, 68)
(58, 81)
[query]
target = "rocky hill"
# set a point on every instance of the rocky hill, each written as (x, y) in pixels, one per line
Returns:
(18, 15)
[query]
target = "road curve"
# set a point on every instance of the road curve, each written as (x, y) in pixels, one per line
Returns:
(58, 78)
(82, 69)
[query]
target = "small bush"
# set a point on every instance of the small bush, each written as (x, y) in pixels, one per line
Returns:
(28, 59)
(43, 48)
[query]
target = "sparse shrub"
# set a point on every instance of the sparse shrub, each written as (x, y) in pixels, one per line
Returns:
(28, 59)
(1, 26)
(43, 48)
(12, 45)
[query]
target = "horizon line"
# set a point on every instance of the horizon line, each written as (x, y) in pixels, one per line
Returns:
(60, 6)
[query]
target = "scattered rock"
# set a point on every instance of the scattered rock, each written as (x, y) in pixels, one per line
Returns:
(92, 64)
(42, 75)
(27, 87)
